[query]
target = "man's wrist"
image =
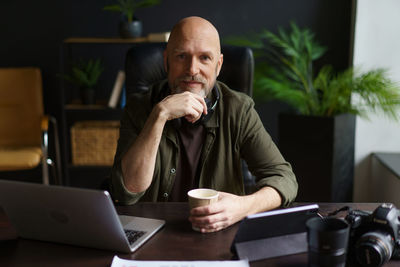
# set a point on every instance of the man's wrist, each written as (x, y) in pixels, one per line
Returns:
(266, 198)
(159, 114)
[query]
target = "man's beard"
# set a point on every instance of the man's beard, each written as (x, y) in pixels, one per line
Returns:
(176, 88)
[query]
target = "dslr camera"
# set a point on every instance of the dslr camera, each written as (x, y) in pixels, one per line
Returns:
(374, 236)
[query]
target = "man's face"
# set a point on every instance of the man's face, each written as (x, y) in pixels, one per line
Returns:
(193, 65)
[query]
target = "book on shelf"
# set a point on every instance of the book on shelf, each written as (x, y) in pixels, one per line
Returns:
(117, 89)
(122, 103)
(158, 36)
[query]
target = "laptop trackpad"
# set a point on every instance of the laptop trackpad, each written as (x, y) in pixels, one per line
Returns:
(139, 223)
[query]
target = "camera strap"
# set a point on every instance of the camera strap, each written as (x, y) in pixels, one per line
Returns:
(344, 208)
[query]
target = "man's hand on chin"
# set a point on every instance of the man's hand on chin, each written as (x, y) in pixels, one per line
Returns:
(185, 104)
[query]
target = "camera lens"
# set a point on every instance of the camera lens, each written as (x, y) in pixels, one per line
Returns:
(327, 241)
(374, 248)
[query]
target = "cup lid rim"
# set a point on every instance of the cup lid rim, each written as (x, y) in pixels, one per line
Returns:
(190, 193)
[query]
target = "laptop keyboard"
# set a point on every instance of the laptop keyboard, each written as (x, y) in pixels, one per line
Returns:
(133, 235)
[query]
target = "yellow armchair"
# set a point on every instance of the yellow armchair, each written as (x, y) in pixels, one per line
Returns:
(23, 125)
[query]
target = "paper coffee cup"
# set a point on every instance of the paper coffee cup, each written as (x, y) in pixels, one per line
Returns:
(201, 197)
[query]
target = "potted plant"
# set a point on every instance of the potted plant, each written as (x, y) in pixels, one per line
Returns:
(318, 137)
(130, 26)
(85, 74)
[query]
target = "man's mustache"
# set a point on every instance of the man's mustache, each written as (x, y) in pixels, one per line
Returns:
(196, 78)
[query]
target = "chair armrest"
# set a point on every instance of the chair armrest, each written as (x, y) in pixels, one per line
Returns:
(45, 123)
(46, 120)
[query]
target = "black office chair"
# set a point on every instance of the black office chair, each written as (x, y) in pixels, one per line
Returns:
(144, 66)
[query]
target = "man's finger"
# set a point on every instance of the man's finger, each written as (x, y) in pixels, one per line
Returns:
(207, 210)
(207, 219)
(210, 228)
(200, 100)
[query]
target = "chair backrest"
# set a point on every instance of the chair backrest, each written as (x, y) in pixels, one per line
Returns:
(21, 106)
(144, 66)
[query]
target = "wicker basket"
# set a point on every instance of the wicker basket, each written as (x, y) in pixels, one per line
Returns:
(94, 142)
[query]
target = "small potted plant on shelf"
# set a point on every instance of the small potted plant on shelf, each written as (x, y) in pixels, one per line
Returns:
(130, 26)
(85, 74)
(318, 138)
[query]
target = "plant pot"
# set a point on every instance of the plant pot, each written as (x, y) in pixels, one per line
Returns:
(87, 96)
(131, 29)
(321, 151)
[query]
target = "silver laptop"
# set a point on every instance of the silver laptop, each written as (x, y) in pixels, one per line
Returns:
(73, 216)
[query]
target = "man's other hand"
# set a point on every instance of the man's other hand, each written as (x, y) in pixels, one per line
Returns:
(219, 215)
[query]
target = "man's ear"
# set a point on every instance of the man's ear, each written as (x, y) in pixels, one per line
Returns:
(165, 60)
(219, 63)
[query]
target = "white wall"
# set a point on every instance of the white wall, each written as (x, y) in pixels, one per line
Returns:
(377, 44)
(388, 183)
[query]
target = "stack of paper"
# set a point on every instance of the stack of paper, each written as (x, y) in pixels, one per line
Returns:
(118, 262)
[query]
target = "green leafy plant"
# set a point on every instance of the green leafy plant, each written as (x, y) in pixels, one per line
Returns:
(284, 71)
(129, 7)
(85, 73)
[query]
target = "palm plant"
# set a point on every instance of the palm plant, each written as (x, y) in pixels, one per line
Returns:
(85, 74)
(284, 71)
(129, 7)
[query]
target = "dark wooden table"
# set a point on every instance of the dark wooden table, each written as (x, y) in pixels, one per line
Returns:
(176, 241)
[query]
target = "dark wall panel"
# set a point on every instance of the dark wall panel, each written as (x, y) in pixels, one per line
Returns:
(31, 32)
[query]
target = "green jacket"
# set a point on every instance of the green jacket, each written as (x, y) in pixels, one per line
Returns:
(234, 131)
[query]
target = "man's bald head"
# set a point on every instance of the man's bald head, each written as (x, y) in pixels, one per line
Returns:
(194, 28)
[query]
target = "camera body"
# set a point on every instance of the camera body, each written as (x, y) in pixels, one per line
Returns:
(374, 237)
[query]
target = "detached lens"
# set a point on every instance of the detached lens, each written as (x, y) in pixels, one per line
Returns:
(374, 248)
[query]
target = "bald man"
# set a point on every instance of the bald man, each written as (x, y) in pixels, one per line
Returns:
(169, 142)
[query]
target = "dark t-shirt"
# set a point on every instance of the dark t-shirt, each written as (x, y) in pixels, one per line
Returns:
(191, 138)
